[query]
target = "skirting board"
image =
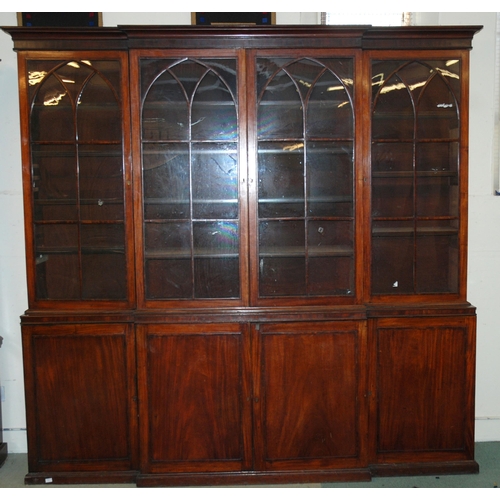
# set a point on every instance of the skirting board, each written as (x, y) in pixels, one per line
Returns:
(487, 429)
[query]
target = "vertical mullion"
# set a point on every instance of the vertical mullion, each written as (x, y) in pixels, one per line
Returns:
(305, 105)
(78, 195)
(78, 198)
(415, 194)
(191, 214)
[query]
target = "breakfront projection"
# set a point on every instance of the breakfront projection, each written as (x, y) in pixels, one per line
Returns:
(246, 253)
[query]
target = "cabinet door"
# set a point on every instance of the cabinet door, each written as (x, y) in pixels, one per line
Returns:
(80, 398)
(303, 238)
(194, 400)
(309, 400)
(76, 178)
(190, 232)
(425, 389)
(418, 162)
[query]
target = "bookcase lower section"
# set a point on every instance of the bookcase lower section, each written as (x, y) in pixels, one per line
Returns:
(249, 397)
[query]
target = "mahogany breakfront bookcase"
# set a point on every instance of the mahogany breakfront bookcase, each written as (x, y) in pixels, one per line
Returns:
(246, 253)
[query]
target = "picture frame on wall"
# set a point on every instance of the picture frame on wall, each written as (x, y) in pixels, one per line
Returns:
(233, 18)
(60, 19)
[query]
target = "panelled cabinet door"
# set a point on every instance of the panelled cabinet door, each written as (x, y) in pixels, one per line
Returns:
(194, 398)
(78, 178)
(425, 389)
(304, 214)
(418, 126)
(80, 397)
(190, 156)
(308, 398)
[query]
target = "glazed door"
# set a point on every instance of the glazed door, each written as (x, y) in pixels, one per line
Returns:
(418, 158)
(77, 178)
(192, 227)
(301, 152)
(309, 402)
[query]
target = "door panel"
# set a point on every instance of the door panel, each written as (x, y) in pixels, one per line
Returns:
(307, 401)
(424, 386)
(193, 406)
(81, 397)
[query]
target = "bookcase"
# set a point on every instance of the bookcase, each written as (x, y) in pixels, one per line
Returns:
(246, 253)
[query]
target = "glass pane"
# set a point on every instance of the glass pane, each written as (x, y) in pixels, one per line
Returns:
(282, 276)
(213, 111)
(166, 181)
(437, 115)
(437, 256)
(103, 261)
(215, 181)
(437, 185)
(330, 257)
(168, 278)
(111, 72)
(168, 240)
(415, 75)
(52, 115)
(280, 110)
(216, 247)
(331, 276)
(57, 261)
(168, 260)
(165, 113)
(54, 182)
(438, 195)
(101, 182)
(392, 196)
(305, 73)
(392, 157)
(103, 276)
(107, 238)
(281, 179)
(392, 257)
(332, 238)
(393, 115)
(437, 157)
(329, 111)
(74, 75)
(98, 112)
(330, 170)
(282, 262)
(38, 69)
(216, 239)
(216, 278)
